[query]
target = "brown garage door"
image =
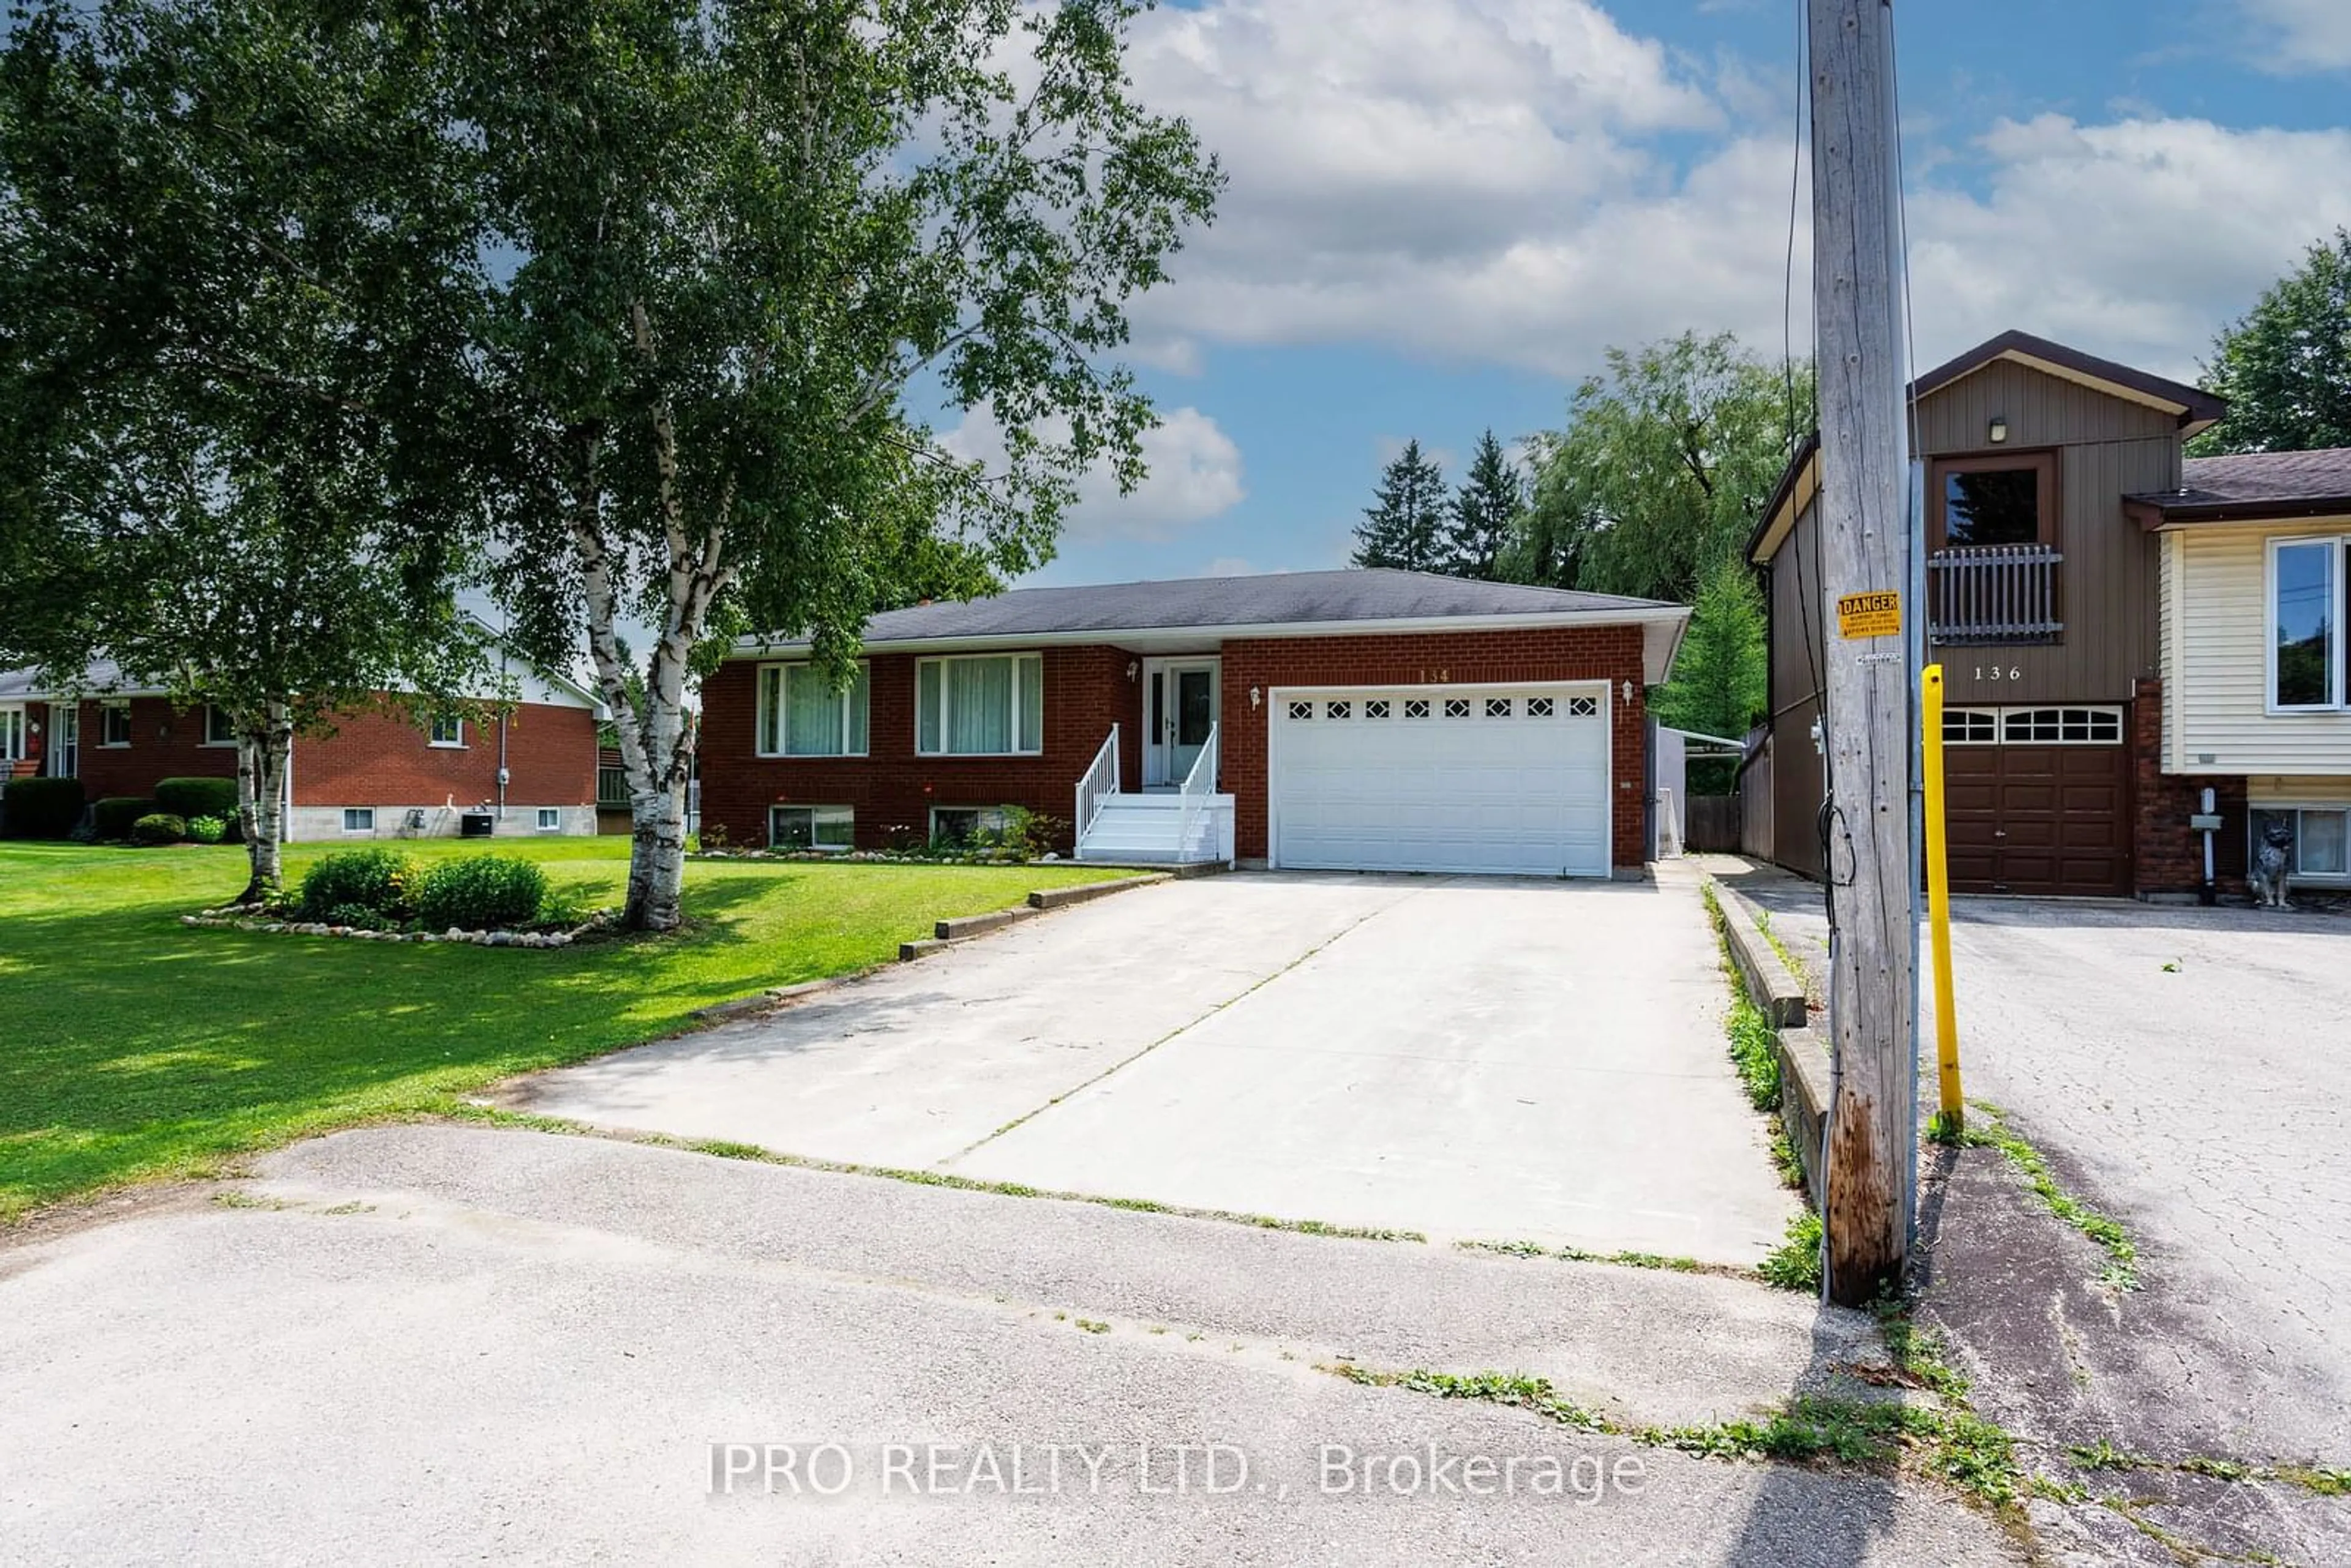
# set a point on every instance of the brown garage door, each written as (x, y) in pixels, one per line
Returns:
(2038, 802)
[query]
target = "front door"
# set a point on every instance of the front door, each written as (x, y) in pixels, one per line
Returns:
(1182, 698)
(65, 741)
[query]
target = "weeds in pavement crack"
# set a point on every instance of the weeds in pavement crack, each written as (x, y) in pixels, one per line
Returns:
(2121, 1272)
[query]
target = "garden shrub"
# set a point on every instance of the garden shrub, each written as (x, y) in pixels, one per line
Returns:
(159, 828)
(358, 916)
(42, 808)
(207, 830)
(381, 881)
(112, 816)
(194, 798)
(480, 893)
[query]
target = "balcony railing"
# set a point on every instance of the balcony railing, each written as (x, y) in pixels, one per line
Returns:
(1995, 593)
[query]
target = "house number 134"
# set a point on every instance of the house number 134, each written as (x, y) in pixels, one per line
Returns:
(2013, 672)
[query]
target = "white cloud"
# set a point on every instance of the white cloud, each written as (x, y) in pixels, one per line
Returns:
(1488, 181)
(1194, 473)
(2303, 34)
(2137, 239)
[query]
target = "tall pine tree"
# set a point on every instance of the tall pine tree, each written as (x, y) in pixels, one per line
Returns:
(1485, 511)
(1408, 527)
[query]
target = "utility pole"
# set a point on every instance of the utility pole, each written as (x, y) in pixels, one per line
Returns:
(1866, 570)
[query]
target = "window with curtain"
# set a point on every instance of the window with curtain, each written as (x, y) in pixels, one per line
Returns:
(803, 713)
(989, 706)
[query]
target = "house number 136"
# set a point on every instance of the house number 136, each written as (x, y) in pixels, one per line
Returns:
(2013, 672)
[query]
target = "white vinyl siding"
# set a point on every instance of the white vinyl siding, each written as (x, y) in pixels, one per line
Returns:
(989, 705)
(2219, 658)
(803, 713)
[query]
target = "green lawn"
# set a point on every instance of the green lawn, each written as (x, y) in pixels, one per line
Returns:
(134, 1048)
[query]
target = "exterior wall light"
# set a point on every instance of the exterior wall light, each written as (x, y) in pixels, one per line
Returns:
(1132, 667)
(1999, 428)
(1257, 697)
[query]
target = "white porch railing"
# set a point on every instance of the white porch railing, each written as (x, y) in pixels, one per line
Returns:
(1995, 593)
(1199, 785)
(1098, 784)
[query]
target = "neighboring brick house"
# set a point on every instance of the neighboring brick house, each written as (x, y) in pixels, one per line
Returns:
(529, 768)
(1371, 720)
(2098, 600)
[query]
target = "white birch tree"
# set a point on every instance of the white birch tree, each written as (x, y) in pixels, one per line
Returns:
(752, 249)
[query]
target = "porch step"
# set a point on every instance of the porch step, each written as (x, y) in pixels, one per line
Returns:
(1148, 829)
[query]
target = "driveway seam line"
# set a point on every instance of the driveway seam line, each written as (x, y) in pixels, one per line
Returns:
(1185, 1027)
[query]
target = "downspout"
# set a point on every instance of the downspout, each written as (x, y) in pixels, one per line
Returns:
(502, 764)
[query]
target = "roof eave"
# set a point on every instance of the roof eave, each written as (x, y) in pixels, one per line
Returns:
(1631, 615)
(2154, 515)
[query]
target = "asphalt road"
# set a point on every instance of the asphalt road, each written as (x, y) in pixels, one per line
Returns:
(424, 1343)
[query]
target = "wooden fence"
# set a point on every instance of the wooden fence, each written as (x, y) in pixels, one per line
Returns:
(1713, 824)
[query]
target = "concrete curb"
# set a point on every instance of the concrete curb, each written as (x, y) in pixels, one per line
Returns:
(762, 1000)
(1771, 984)
(964, 925)
(1804, 1101)
(1087, 892)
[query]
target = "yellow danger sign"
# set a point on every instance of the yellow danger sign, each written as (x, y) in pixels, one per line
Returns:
(1869, 616)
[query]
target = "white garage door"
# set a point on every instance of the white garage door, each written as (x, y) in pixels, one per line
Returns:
(1452, 778)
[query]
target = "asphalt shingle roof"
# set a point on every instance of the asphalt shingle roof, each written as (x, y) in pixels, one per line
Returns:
(1307, 598)
(2254, 477)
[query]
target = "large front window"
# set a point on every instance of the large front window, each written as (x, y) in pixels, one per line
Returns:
(803, 713)
(988, 706)
(220, 726)
(12, 735)
(2307, 649)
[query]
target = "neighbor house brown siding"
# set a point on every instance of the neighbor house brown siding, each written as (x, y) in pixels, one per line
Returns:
(2106, 447)
(1797, 776)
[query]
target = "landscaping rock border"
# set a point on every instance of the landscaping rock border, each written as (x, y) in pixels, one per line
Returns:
(236, 919)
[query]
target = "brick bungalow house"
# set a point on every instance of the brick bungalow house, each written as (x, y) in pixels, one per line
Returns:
(2121, 627)
(528, 770)
(1367, 720)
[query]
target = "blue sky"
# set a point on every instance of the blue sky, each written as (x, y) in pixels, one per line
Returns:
(1441, 212)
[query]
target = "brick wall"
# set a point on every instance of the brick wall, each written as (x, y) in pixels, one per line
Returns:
(373, 758)
(165, 743)
(1086, 690)
(383, 757)
(1612, 654)
(892, 789)
(2168, 853)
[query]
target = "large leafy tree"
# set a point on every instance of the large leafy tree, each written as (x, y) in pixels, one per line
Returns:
(1406, 525)
(1661, 471)
(228, 364)
(749, 250)
(1486, 511)
(2286, 368)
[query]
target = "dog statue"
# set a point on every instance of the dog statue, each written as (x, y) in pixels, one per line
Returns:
(2271, 878)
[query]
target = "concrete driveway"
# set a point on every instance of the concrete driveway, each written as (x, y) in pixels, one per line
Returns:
(1464, 1057)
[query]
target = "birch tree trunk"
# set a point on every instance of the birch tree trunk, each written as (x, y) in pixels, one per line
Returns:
(265, 751)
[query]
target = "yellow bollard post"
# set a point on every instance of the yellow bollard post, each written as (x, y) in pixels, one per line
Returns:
(1939, 903)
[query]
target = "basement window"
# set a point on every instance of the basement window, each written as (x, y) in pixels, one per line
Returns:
(2322, 839)
(960, 827)
(551, 819)
(831, 828)
(359, 818)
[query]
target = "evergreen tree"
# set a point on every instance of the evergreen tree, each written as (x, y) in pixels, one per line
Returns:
(1485, 511)
(1408, 530)
(2285, 369)
(1721, 683)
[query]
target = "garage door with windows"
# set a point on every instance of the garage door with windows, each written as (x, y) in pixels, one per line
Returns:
(2038, 800)
(1442, 779)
